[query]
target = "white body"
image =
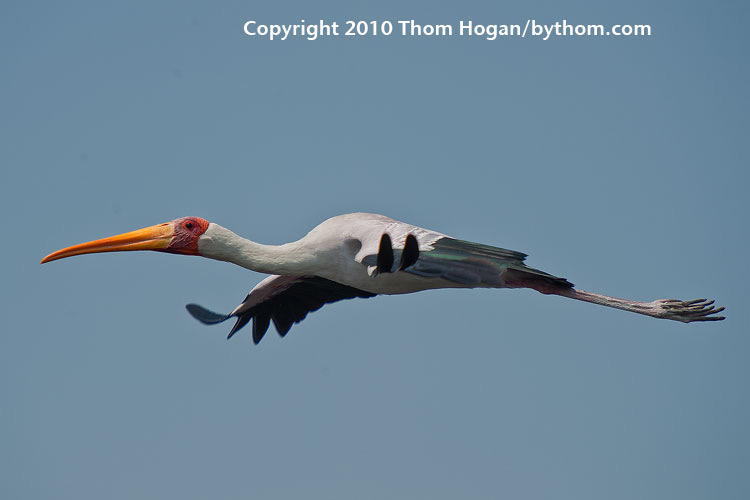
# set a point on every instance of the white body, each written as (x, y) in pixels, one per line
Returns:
(334, 250)
(341, 249)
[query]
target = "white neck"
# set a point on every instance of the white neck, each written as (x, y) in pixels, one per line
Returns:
(222, 244)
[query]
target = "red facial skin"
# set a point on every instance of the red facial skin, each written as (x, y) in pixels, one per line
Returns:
(187, 230)
(179, 236)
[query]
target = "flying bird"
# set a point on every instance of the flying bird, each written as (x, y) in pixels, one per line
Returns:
(359, 255)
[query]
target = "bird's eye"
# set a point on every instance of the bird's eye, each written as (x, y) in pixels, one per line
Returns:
(189, 225)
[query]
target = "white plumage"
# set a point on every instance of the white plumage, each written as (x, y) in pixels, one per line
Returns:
(360, 255)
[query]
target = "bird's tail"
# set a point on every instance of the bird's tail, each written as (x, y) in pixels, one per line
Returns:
(522, 276)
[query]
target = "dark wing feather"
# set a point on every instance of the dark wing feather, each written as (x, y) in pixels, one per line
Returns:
(283, 300)
(475, 264)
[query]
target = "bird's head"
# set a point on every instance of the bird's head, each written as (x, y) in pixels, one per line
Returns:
(179, 236)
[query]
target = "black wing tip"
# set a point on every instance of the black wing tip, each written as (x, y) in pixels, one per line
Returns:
(204, 315)
(242, 320)
(290, 307)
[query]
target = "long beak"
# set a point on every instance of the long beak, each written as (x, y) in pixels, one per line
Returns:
(149, 238)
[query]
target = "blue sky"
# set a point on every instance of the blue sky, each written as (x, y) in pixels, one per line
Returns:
(618, 163)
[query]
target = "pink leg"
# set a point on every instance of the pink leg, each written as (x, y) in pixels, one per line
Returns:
(678, 310)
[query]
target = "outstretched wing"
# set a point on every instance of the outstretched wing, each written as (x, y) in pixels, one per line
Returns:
(285, 300)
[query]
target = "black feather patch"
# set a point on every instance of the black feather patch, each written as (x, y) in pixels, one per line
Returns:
(284, 308)
(282, 322)
(385, 255)
(411, 252)
(260, 325)
(241, 321)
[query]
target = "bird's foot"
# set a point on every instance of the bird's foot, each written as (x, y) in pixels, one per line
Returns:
(687, 310)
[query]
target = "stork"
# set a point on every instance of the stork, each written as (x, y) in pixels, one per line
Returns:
(359, 255)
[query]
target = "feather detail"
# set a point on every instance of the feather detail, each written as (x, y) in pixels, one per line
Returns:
(283, 300)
